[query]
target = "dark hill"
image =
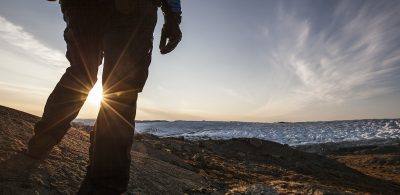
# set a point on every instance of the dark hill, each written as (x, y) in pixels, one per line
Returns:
(179, 166)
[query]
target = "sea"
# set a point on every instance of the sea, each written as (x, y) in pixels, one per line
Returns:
(291, 133)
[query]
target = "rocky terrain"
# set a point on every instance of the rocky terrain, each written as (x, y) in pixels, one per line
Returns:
(179, 166)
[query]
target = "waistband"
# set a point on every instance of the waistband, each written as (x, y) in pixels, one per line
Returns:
(94, 2)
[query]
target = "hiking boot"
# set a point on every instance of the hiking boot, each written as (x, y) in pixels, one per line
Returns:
(88, 188)
(39, 147)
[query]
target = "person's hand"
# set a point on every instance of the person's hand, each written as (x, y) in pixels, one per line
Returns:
(171, 34)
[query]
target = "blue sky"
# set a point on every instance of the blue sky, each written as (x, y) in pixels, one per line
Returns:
(238, 60)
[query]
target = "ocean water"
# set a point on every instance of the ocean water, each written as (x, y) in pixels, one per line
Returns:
(286, 133)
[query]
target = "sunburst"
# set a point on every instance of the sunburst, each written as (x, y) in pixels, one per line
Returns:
(96, 94)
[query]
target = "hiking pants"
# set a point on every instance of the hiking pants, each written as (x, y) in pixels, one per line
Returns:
(124, 40)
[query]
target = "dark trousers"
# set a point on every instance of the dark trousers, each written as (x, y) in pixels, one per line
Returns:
(124, 40)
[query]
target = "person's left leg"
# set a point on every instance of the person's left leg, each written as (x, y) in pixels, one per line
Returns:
(84, 52)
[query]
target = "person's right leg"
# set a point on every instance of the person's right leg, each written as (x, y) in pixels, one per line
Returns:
(83, 39)
(127, 56)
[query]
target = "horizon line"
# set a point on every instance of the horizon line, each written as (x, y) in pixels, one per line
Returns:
(234, 121)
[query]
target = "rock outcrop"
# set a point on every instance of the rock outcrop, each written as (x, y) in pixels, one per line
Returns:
(64, 169)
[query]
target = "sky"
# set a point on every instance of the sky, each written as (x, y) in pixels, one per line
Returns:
(258, 60)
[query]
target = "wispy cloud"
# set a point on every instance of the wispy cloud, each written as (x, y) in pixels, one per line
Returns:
(354, 55)
(16, 36)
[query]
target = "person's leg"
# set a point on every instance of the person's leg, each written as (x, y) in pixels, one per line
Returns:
(127, 56)
(84, 54)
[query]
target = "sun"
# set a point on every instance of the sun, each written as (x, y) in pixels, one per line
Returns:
(96, 94)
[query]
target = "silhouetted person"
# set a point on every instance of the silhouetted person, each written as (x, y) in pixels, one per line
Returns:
(121, 32)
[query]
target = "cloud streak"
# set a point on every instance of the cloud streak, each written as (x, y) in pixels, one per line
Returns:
(16, 36)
